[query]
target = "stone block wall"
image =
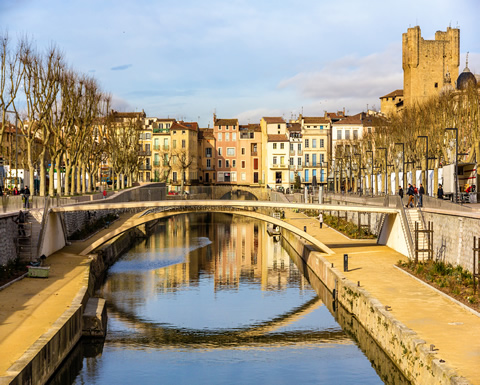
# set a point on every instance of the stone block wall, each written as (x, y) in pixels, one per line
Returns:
(456, 234)
(8, 234)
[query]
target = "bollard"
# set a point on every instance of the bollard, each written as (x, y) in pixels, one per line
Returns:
(305, 228)
(345, 262)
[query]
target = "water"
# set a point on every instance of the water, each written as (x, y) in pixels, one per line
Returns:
(211, 299)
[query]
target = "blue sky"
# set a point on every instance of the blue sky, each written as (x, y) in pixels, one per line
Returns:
(241, 58)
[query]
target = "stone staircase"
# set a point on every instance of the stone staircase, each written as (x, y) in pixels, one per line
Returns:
(27, 243)
(413, 216)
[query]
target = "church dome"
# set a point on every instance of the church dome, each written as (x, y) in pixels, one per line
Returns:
(466, 79)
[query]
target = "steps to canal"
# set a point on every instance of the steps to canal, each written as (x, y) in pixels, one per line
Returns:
(413, 216)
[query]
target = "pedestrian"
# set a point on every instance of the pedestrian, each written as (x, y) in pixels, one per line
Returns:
(320, 219)
(20, 221)
(26, 195)
(440, 192)
(400, 192)
(104, 194)
(421, 191)
(411, 196)
(15, 191)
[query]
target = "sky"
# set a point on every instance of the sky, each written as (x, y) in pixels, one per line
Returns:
(240, 59)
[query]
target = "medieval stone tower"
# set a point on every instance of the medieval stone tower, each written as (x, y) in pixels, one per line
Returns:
(428, 64)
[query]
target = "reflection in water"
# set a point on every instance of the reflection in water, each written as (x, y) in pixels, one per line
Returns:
(212, 299)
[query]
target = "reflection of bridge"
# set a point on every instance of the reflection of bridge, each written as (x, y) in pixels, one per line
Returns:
(160, 209)
(159, 334)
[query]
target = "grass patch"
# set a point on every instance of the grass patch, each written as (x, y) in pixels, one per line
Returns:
(455, 281)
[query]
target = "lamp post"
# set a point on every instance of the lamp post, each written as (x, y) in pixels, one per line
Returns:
(426, 161)
(403, 162)
(386, 172)
(371, 174)
(456, 158)
(359, 172)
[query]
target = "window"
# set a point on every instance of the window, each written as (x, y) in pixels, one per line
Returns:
(274, 146)
(219, 128)
(314, 143)
(306, 176)
(227, 136)
(209, 163)
(208, 152)
(299, 161)
(321, 127)
(355, 134)
(322, 143)
(339, 134)
(167, 125)
(160, 125)
(219, 163)
(244, 176)
(291, 147)
(219, 151)
(243, 164)
(255, 163)
(274, 160)
(322, 158)
(227, 163)
(291, 161)
(140, 136)
(183, 143)
(307, 159)
(278, 126)
(174, 132)
(234, 163)
(147, 147)
(282, 160)
(174, 176)
(226, 127)
(148, 135)
(231, 151)
(306, 143)
(234, 136)
(314, 160)
(219, 136)
(299, 147)
(243, 150)
(282, 146)
(347, 134)
(174, 143)
(183, 132)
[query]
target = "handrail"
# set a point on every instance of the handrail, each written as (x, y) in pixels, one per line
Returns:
(405, 226)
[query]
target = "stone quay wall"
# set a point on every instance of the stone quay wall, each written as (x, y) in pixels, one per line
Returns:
(408, 352)
(453, 237)
(8, 235)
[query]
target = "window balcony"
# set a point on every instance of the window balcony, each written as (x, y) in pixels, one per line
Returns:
(254, 153)
(145, 153)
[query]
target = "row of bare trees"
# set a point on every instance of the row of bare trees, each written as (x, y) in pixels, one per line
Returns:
(451, 109)
(64, 120)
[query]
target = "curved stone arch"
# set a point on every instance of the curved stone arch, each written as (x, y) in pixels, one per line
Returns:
(259, 193)
(140, 219)
(236, 191)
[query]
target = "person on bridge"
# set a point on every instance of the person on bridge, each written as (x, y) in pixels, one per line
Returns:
(20, 221)
(400, 192)
(26, 195)
(411, 196)
(104, 194)
(440, 192)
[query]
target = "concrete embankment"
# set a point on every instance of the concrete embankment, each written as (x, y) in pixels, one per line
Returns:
(413, 325)
(42, 318)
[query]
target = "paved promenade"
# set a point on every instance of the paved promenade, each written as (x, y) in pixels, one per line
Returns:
(30, 306)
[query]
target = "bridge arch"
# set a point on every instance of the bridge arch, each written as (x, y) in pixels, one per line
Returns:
(152, 214)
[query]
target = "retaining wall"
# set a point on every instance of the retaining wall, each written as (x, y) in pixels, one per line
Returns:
(8, 234)
(407, 351)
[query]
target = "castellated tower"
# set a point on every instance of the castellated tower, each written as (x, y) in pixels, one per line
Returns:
(426, 63)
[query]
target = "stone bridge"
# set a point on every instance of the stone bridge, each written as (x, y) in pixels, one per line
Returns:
(54, 236)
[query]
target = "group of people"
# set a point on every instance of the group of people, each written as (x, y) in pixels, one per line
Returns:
(24, 192)
(412, 192)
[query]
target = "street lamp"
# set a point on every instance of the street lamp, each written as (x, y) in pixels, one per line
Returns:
(386, 173)
(371, 174)
(359, 183)
(403, 162)
(426, 161)
(456, 158)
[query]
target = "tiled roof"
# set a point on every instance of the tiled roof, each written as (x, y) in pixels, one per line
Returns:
(294, 127)
(273, 120)
(226, 122)
(178, 126)
(354, 119)
(277, 138)
(393, 94)
(206, 134)
(316, 120)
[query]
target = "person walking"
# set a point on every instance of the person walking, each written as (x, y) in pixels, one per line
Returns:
(411, 196)
(26, 195)
(421, 191)
(320, 219)
(104, 194)
(440, 192)
(400, 192)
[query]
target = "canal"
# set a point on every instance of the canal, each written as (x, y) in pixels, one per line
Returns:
(212, 299)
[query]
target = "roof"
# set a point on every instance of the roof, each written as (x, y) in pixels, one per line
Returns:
(278, 138)
(294, 127)
(226, 122)
(179, 126)
(130, 115)
(206, 133)
(191, 125)
(318, 119)
(273, 120)
(393, 94)
(255, 127)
